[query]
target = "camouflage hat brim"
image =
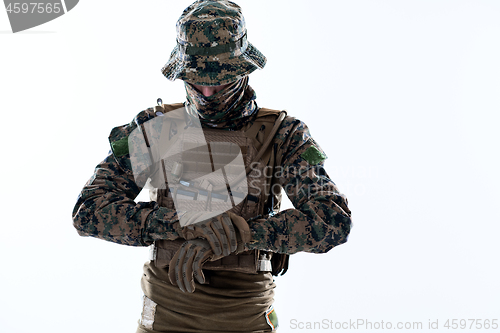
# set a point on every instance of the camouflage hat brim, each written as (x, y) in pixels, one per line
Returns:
(213, 70)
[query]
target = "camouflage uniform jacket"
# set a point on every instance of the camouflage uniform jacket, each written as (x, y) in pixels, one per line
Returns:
(321, 219)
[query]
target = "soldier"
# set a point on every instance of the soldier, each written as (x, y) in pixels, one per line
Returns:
(212, 269)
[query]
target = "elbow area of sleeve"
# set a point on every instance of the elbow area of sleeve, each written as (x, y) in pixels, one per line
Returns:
(315, 228)
(330, 222)
(82, 216)
(115, 221)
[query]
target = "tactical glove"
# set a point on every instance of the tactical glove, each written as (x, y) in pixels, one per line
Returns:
(187, 263)
(220, 232)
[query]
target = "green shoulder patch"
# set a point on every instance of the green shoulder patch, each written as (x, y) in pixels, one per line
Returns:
(313, 155)
(120, 147)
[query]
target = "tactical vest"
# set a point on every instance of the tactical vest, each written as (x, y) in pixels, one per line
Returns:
(257, 148)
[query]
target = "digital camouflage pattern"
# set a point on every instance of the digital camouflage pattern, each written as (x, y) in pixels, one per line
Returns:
(321, 219)
(212, 47)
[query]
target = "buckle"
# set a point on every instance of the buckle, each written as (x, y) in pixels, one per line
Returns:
(264, 266)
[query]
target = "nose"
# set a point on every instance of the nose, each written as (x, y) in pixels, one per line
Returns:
(209, 90)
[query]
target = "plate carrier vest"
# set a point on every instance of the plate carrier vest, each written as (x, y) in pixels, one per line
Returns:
(258, 148)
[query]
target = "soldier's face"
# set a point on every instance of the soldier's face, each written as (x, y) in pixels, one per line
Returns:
(209, 90)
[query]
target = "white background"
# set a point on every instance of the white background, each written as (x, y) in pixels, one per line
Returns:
(403, 96)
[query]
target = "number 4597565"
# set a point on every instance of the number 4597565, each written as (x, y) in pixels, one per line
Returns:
(471, 323)
(39, 7)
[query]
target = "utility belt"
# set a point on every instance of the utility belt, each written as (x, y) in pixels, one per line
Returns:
(250, 262)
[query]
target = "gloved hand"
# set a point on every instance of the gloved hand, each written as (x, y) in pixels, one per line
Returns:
(220, 232)
(187, 263)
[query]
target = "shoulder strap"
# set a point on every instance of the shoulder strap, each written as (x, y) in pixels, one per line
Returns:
(170, 107)
(266, 112)
(277, 123)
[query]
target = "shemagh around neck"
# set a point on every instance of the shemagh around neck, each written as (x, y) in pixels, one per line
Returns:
(230, 109)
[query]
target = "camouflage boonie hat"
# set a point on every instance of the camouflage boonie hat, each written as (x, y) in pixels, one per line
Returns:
(212, 47)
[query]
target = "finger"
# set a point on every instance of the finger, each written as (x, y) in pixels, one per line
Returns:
(175, 267)
(178, 267)
(242, 226)
(181, 271)
(201, 257)
(229, 228)
(212, 239)
(171, 267)
(187, 268)
(220, 232)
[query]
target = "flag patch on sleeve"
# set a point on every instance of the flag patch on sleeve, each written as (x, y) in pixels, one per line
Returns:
(313, 156)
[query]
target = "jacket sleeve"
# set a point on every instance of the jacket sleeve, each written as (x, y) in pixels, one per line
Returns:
(106, 208)
(321, 219)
